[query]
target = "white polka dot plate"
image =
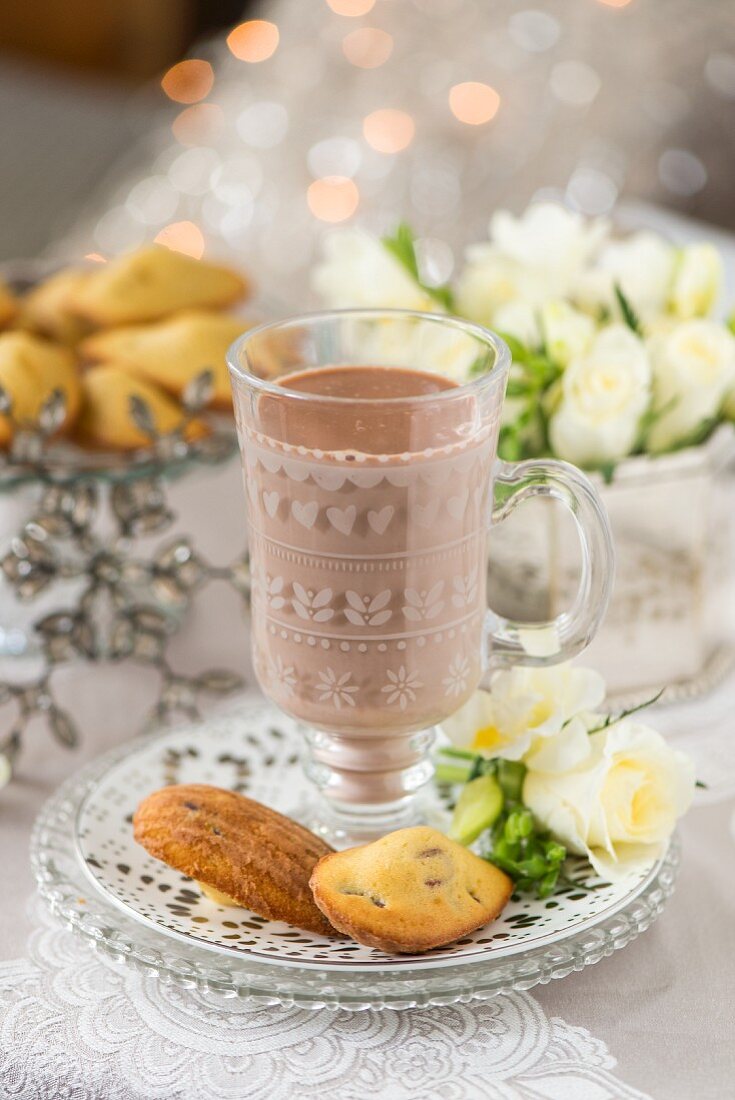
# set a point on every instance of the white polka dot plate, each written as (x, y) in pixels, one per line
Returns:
(135, 908)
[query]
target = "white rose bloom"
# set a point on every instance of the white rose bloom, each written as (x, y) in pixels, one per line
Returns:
(357, 270)
(524, 707)
(642, 266)
(604, 395)
(567, 332)
(518, 319)
(698, 278)
(620, 806)
(693, 370)
(532, 259)
(549, 238)
(491, 281)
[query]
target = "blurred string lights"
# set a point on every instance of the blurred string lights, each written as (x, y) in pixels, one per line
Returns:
(437, 111)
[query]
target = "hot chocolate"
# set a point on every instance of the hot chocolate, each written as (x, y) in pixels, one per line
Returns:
(368, 525)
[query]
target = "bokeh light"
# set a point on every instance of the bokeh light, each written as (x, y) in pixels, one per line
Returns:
(681, 172)
(182, 237)
(534, 31)
(388, 130)
(574, 83)
(615, 3)
(254, 41)
(368, 47)
(188, 81)
(333, 198)
(263, 124)
(198, 125)
(336, 156)
(473, 103)
(352, 8)
(96, 258)
(719, 70)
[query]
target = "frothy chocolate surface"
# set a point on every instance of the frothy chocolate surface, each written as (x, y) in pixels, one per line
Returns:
(375, 413)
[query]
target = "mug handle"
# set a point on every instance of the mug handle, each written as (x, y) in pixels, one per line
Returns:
(549, 643)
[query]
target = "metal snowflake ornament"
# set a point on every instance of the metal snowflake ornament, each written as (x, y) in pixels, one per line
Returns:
(85, 527)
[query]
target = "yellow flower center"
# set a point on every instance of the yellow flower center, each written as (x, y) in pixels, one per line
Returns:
(490, 737)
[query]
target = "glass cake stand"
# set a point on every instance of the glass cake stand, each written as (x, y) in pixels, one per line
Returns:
(135, 910)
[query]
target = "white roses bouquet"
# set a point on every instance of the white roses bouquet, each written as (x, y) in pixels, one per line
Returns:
(615, 347)
(544, 774)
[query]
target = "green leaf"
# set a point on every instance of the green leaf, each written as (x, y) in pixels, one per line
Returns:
(699, 435)
(612, 719)
(402, 245)
(607, 469)
(650, 417)
(629, 315)
(511, 774)
(450, 773)
(518, 350)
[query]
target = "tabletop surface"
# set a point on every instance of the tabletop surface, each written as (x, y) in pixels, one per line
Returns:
(656, 1019)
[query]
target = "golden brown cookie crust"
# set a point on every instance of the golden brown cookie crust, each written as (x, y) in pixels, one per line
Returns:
(153, 282)
(410, 891)
(106, 419)
(239, 847)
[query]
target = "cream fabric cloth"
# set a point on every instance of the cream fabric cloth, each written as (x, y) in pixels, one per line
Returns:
(663, 1009)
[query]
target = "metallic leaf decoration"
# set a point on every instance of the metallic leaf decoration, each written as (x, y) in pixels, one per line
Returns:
(240, 577)
(68, 509)
(140, 506)
(219, 681)
(52, 413)
(30, 564)
(215, 447)
(129, 603)
(63, 727)
(198, 392)
(142, 417)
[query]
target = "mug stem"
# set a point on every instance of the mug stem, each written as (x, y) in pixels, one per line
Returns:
(368, 786)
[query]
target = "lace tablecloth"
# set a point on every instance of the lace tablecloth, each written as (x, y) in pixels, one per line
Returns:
(655, 1020)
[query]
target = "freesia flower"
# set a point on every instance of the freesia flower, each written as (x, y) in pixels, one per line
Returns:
(549, 238)
(604, 395)
(697, 283)
(519, 320)
(642, 265)
(693, 371)
(532, 259)
(357, 270)
(567, 332)
(524, 707)
(620, 805)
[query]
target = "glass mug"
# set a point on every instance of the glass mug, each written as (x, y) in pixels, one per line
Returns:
(369, 513)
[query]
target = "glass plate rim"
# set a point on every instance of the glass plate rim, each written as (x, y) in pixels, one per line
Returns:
(116, 937)
(119, 756)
